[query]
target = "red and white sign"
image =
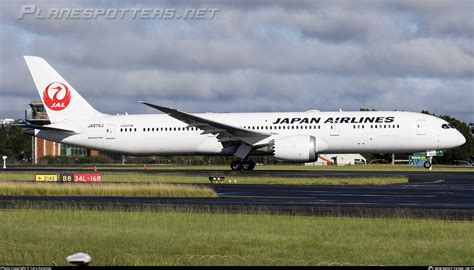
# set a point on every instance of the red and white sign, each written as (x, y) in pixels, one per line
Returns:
(56, 96)
(87, 177)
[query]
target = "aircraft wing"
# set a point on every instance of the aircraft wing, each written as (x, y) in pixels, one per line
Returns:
(223, 131)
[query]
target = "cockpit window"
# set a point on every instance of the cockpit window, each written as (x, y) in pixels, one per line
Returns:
(447, 126)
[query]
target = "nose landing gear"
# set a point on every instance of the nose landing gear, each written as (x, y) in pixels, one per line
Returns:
(427, 165)
(246, 165)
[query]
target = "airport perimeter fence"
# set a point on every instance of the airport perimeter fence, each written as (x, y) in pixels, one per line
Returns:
(49, 258)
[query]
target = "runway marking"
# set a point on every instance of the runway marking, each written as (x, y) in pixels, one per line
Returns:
(431, 182)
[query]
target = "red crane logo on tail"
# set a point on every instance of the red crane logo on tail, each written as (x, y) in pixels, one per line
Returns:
(61, 96)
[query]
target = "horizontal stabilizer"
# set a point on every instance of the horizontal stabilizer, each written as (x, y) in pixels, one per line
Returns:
(47, 128)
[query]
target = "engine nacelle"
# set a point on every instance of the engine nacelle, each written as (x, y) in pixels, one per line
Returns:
(297, 148)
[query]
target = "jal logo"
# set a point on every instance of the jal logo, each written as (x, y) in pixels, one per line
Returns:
(56, 96)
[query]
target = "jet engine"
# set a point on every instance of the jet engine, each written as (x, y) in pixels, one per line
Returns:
(297, 148)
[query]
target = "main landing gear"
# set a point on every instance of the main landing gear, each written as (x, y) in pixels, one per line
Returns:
(246, 165)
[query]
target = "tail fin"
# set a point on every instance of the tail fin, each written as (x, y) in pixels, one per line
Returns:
(61, 101)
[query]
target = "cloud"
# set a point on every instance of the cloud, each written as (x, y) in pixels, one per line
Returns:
(253, 56)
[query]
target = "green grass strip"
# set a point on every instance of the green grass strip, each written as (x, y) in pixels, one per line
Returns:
(96, 189)
(175, 178)
(46, 237)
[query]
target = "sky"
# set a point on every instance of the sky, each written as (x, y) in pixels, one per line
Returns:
(250, 56)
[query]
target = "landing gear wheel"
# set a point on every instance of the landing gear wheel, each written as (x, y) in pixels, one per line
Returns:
(248, 165)
(427, 165)
(236, 165)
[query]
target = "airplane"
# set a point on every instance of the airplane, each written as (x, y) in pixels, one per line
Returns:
(288, 136)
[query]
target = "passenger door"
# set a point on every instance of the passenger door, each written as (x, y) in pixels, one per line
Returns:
(334, 130)
(420, 127)
(110, 129)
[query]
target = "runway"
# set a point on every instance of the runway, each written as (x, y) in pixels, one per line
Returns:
(428, 194)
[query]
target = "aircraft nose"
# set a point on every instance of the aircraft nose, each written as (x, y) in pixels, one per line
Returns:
(461, 139)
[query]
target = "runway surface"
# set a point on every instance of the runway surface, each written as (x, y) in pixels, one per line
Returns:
(428, 194)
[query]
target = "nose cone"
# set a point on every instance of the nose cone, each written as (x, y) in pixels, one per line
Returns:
(461, 139)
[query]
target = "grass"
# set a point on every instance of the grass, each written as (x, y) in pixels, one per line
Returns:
(46, 237)
(174, 178)
(82, 189)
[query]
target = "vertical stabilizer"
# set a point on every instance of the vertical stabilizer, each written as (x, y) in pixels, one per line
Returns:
(61, 101)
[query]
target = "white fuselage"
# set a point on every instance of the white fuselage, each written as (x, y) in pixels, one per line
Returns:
(339, 132)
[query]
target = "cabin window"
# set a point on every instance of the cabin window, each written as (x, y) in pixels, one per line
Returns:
(443, 126)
